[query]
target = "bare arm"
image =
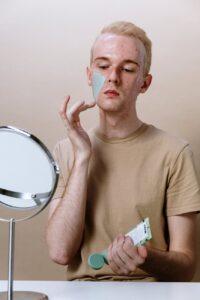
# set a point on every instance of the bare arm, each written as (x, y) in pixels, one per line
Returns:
(67, 215)
(177, 264)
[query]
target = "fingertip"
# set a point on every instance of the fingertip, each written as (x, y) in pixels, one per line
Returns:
(120, 236)
(62, 115)
(92, 103)
(142, 251)
(129, 239)
(61, 109)
(67, 98)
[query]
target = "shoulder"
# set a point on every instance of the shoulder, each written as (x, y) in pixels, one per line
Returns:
(166, 147)
(167, 140)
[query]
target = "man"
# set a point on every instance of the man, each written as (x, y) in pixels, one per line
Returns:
(121, 172)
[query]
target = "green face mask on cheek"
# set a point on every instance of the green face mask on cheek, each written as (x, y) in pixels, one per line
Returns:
(97, 83)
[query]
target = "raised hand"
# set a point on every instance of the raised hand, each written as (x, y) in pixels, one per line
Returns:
(76, 133)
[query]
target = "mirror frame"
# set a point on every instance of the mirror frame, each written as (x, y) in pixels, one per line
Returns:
(55, 172)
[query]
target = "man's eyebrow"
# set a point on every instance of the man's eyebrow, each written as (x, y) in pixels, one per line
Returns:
(124, 61)
(128, 61)
(102, 58)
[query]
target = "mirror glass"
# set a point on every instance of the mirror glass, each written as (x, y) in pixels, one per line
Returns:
(28, 173)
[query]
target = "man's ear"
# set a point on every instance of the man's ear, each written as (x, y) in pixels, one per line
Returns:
(89, 76)
(146, 83)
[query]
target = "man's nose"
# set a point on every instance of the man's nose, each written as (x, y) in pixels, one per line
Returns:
(114, 76)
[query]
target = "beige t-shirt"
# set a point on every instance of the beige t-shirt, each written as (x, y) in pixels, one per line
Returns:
(147, 174)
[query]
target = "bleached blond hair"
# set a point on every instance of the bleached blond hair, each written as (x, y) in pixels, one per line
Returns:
(131, 30)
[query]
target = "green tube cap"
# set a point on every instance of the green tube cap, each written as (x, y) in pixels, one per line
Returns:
(96, 261)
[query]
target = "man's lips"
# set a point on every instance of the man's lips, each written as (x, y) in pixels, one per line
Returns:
(111, 92)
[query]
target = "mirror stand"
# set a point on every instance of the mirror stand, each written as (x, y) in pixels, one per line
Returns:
(16, 295)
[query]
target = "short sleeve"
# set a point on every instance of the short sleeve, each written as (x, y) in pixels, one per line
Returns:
(183, 192)
(61, 155)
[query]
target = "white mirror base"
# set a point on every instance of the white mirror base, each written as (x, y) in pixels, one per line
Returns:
(22, 295)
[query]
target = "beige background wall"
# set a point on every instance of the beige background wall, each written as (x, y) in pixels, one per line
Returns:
(44, 51)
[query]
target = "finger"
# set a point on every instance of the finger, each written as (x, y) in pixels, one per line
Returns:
(129, 262)
(63, 109)
(111, 262)
(132, 252)
(117, 259)
(117, 244)
(87, 105)
(75, 112)
(91, 103)
(142, 250)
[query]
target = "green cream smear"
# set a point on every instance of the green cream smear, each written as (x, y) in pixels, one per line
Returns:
(97, 83)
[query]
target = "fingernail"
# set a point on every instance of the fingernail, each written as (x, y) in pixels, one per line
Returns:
(129, 240)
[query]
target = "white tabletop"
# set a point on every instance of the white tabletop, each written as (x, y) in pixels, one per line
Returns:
(66, 290)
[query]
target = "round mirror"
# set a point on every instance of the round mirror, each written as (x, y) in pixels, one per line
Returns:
(28, 174)
(28, 180)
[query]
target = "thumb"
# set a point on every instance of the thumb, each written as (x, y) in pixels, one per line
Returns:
(91, 104)
(142, 250)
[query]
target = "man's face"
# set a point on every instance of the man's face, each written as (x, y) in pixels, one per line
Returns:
(120, 60)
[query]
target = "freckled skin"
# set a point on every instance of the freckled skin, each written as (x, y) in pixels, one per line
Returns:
(117, 49)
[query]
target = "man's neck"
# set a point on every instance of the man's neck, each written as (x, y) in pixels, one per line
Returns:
(114, 125)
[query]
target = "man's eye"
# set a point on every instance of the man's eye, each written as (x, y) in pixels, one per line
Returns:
(128, 70)
(103, 67)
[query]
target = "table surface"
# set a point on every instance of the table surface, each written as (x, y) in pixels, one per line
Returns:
(76, 290)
